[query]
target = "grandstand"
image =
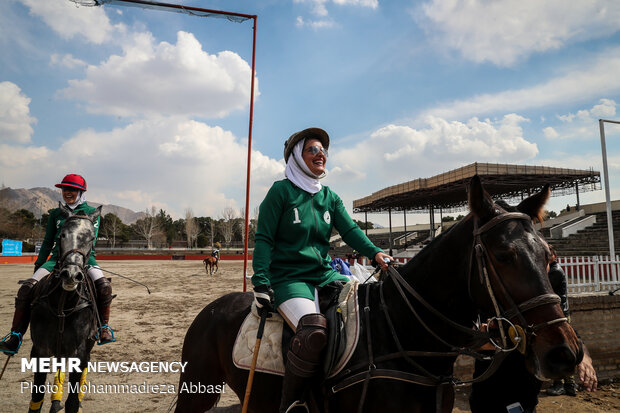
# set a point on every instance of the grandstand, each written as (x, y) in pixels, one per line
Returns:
(448, 191)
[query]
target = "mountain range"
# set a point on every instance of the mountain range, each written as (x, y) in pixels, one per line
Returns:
(40, 200)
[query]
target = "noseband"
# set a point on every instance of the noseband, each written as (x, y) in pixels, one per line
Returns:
(486, 268)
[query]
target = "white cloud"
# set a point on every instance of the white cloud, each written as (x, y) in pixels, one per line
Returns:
(165, 79)
(170, 163)
(15, 120)
(397, 153)
(550, 133)
(89, 24)
(373, 4)
(606, 109)
(314, 24)
(319, 7)
(596, 77)
(506, 31)
(583, 124)
(66, 60)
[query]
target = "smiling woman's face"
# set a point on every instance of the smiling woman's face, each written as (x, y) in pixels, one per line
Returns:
(316, 163)
(69, 194)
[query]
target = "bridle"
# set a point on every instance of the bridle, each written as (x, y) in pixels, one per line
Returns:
(485, 267)
(84, 252)
(486, 270)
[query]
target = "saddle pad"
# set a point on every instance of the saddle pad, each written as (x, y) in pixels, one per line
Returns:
(270, 353)
(270, 358)
(351, 319)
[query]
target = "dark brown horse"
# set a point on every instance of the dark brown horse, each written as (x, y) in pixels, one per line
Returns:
(210, 265)
(417, 321)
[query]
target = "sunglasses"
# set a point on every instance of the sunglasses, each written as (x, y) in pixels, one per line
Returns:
(315, 150)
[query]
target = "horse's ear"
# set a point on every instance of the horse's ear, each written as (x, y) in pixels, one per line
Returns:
(533, 206)
(480, 202)
(96, 214)
(65, 210)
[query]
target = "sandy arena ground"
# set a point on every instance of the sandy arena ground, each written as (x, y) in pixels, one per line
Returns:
(152, 328)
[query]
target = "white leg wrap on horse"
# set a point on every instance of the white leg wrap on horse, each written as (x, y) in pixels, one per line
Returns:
(295, 308)
(40, 273)
(95, 273)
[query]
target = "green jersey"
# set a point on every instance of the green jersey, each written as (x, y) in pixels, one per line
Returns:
(52, 233)
(291, 251)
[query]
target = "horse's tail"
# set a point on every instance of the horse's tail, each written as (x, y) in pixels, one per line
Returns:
(207, 352)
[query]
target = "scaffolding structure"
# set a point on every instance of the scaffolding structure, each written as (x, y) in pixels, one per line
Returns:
(448, 191)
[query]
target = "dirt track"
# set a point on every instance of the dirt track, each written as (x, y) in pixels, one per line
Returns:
(152, 327)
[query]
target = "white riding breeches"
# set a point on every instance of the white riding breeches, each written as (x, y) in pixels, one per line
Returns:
(93, 272)
(294, 309)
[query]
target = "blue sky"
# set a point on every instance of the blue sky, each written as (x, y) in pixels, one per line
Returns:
(152, 107)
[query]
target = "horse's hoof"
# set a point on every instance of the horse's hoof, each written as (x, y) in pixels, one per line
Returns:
(56, 406)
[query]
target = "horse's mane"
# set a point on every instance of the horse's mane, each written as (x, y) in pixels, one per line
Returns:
(430, 249)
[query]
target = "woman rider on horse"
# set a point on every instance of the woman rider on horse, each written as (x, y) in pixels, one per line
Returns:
(291, 258)
(73, 188)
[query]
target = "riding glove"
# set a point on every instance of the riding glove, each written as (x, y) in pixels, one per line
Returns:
(263, 296)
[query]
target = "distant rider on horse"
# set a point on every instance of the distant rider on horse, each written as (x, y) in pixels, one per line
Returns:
(216, 254)
(295, 223)
(73, 187)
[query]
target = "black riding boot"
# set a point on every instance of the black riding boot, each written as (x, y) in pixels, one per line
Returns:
(303, 361)
(105, 334)
(21, 318)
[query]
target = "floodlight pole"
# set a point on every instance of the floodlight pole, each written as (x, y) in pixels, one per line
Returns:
(610, 225)
(247, 189)
(193, 10)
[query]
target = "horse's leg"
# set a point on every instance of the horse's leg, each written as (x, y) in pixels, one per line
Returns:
(57, 391)
(72, 405)
(38, 386)
(38, 393)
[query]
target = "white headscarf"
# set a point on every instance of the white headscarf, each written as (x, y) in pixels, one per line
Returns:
(81, 198)
(298, 172)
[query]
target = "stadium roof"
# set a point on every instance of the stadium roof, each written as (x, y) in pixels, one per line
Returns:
(449, 190)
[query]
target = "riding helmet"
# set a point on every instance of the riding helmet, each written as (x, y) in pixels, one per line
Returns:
(73, 181)
(310, 133)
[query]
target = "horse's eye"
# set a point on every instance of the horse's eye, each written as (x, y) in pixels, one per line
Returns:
(505, 257)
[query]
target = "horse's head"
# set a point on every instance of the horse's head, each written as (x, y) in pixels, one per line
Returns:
(75, 243)
(509, 279)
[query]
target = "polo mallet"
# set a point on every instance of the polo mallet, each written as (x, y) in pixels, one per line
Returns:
(259, 336)
(5, 364)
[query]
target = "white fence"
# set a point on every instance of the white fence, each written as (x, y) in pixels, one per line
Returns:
(584, 274)
(591, 274)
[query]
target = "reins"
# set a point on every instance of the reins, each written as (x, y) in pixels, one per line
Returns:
(369, 370)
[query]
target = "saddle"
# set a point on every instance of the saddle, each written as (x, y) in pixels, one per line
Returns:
(343, 324)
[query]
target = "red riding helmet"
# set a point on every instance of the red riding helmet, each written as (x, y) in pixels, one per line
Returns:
(73, 181)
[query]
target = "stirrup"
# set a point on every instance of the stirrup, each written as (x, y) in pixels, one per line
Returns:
(98, 336)
(298, 403)
(8, 336)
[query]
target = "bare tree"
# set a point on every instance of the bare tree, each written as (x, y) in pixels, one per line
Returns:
(148, 227)
(212, 228)
(228, 224)
(253, 219)
(191, 228)
(111, 227)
